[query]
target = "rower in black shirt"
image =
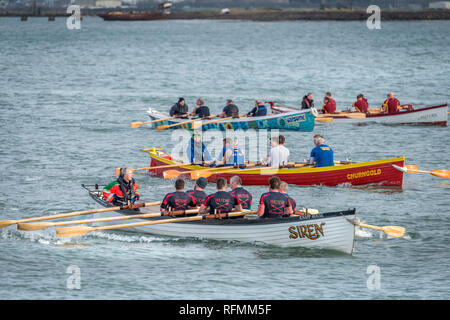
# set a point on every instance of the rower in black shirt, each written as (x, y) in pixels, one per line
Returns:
(274, 204)
(221, 201)
(284, 190)
(178, 200)
(243, 195)
(198, 193)
(200, 109)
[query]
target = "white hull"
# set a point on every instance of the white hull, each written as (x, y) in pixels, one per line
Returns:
(333, 231)
(432, 116)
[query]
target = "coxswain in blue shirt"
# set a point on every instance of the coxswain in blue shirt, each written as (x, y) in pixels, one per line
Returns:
(322, 154)
(231, 155)
(243, 195)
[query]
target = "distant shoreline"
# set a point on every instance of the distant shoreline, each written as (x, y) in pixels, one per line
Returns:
(265, 14)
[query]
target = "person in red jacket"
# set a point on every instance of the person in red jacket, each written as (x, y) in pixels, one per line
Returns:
(361, 104)
(122, 191)
(329, 105)
(391, 105)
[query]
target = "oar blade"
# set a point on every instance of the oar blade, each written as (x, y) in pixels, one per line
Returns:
(136, 124)
(33, 226)
(411, 167)
(445, 174)
(171, 174)
(6, 223)
(163, 127)
(394, 231)
(69, 232)
(325, 120)
(200, 174)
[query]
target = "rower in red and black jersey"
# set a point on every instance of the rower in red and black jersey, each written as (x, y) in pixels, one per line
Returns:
(243, 195)
(198, 193)
(178, 200)
(284, 190)
(221, 201)
(274, 204)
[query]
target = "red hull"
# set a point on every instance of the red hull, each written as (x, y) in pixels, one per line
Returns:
(375, 172)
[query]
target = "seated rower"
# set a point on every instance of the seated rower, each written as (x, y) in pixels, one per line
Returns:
(230, 110)
(196, 151)
(284, 190)
(329, 105)
(124, 190)
(200, 109)
(179, 109)
(279, 154)
(361, 104)
(274, 204)
(243, 195)
(391, 105)
(231, 155)
(308, 102)
(322, 154)
(178, 200)
(198, 193)
(221, 201)
(259, 110)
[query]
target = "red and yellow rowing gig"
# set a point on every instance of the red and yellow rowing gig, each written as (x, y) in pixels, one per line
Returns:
(379, 172)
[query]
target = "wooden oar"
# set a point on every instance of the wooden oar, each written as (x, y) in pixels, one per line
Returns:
(445, 174)
(195, 174)
(5, 223)
(324, 119)
(42, 225)
(351, 115)
(393, 231)
(198, 125)
(180, 164)
(207, 174)
(137, 124)
(81, 230)
(164, 127)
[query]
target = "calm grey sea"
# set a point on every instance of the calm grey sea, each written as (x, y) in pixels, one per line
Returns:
(67, 98)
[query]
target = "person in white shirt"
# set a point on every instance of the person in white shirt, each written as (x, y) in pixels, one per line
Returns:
(279, 154)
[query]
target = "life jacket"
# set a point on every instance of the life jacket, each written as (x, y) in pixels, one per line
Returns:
(118, 191)
(261, 111)
(329, 107)
(392, 105)
(361, 105)
(237, 158)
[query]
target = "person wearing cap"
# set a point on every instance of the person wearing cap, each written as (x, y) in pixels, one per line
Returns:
(322, 154)
(198, 194)
(259, 110)
(122, 191)
(196, 151)
(178, 200)
(230, 110)
(243, 195)
(179, 109)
